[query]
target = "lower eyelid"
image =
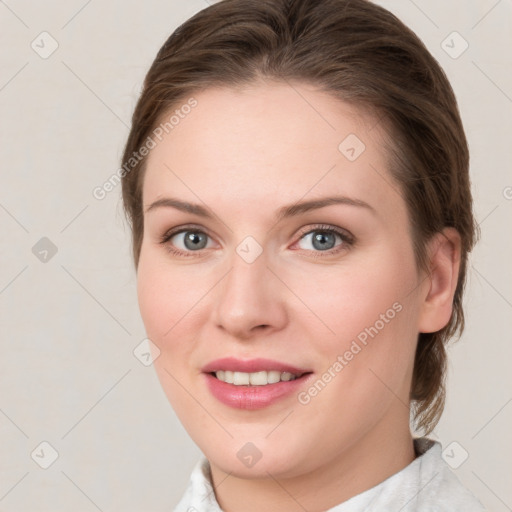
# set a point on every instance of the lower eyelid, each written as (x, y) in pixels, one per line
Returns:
(343, 246)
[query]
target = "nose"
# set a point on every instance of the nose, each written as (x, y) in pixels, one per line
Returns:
(250, 300)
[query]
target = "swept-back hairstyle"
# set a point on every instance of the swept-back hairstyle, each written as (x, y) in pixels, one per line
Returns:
(362, 54)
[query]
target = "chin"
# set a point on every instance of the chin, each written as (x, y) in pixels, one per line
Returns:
(252, 457)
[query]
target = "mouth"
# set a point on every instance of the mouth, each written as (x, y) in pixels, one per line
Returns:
(261, 378)
(253, 384)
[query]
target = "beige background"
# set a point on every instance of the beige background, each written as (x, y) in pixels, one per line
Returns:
(68, 375)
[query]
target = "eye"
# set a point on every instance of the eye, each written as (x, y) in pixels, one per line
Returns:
(190, 241)
(324, 239)
(185, 241)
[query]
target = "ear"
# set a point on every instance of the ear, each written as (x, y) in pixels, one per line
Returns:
(441, 281)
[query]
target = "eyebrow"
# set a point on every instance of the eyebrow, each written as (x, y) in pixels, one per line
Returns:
(284, 212)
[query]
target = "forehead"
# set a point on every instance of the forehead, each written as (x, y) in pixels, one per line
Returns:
(271, 143)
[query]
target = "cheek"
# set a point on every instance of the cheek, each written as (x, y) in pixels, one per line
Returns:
(167, 296)
(165, 302)
(367, 363)
(351, 299)
(154, 302)
(174, 310)
(373, 316)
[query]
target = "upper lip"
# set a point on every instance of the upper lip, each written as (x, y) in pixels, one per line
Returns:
(251, 366)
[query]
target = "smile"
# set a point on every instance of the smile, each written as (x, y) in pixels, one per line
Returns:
(261, 378)
(253, 384)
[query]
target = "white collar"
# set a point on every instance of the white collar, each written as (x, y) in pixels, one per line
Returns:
(426, 484)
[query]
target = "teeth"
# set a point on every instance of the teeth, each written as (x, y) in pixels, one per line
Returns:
(240, 379)
(273, 377)
(254, 379)
(257, 378)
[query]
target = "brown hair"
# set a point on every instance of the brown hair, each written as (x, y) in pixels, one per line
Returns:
(362, 54)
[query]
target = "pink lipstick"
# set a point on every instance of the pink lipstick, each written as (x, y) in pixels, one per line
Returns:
(252, 384)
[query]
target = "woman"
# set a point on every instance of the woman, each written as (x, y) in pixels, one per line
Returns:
(296, 179)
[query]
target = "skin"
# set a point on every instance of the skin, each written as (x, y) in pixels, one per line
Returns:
(243, 154)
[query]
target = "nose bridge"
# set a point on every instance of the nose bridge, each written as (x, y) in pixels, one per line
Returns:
(248, 297)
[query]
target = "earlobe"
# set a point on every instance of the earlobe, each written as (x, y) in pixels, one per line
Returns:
(444, 262)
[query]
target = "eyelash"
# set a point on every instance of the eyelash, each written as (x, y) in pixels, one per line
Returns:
(346, 238)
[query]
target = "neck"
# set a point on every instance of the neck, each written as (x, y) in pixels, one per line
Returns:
(380, 453)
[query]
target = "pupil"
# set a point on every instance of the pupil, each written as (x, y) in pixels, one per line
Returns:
(321, 239)
(197, 240)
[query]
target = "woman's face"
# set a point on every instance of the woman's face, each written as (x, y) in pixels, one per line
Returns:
(248, 270)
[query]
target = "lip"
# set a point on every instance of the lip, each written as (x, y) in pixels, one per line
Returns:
(251, 365)
(252, 397)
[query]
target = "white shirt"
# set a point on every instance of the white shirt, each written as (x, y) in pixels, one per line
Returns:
(427, 484)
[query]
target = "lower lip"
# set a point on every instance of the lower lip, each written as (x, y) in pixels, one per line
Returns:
(252, 397)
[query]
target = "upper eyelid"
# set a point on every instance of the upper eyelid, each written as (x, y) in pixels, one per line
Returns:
(181, 229)
(325, 227)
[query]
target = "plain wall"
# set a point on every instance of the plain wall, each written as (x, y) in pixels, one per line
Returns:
(69, 325)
